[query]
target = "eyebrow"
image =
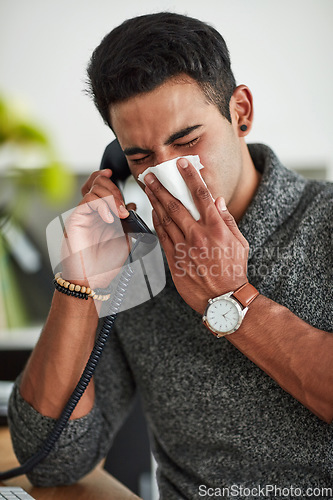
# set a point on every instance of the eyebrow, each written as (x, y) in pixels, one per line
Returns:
(177, 135)
(180, 134)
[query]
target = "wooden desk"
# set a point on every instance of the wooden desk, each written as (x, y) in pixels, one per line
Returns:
(98, 485)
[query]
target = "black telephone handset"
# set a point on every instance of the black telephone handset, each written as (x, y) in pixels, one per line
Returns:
(115, 159)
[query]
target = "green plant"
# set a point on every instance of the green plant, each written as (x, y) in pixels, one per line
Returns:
(28, 164)
(28, 167)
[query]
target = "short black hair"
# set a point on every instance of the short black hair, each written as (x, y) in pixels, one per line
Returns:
(145, 51)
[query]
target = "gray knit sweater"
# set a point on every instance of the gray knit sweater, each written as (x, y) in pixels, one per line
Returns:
(215, 419)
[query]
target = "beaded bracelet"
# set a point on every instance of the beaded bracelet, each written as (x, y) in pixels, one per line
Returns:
(81, 292)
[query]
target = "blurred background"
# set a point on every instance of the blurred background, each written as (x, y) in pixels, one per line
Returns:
(52, 138)
(281, 50)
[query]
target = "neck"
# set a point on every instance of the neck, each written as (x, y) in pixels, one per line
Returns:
(247, 186)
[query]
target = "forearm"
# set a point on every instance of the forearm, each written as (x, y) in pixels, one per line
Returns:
(296, 355)
(81, 445)
(59, 357)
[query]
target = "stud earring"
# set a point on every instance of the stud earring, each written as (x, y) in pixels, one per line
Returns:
(243, 128)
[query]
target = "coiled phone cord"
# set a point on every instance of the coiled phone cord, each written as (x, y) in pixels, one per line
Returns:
(85, 378)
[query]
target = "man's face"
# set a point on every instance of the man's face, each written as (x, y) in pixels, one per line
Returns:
(176, 120)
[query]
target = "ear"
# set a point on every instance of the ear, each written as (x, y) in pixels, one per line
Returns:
(241, 109)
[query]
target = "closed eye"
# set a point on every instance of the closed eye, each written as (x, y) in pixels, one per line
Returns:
(188, 144)
(139, 160)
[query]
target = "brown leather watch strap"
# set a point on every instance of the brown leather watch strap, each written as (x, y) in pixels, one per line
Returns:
(246, 294)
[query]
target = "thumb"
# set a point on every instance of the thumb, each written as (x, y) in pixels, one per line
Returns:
(229, 220)
(225, 214)
(220, 205)
(131, 206)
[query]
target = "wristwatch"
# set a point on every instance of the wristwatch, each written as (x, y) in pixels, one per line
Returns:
(224, 314)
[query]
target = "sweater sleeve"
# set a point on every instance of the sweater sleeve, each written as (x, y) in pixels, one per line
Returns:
(84, 441)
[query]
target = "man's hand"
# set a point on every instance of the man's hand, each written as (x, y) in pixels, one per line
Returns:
(289, 349)
(95, 247)
(207, 257)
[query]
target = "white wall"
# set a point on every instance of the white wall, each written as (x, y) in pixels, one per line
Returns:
(281, 50)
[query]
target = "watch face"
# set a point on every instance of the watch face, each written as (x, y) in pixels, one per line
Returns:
(223, 315)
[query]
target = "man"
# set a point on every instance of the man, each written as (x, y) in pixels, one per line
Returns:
(226, 415)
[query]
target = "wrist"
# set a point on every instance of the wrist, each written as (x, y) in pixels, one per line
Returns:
(69, 307)
(225, 313)
(79, 291)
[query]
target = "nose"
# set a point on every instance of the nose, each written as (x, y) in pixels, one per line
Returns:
(159, 157)
(162, 157)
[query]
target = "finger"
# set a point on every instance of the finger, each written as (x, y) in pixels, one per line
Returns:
(102, 187)
(105, 213)
(106, 172)
(131, 206)
(105, 206)
(229, 220)
(169, 208)
(167, 223)
(99, 200)
(200, 193)
(164, 239)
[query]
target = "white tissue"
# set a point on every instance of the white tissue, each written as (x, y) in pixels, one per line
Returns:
(168, 175)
